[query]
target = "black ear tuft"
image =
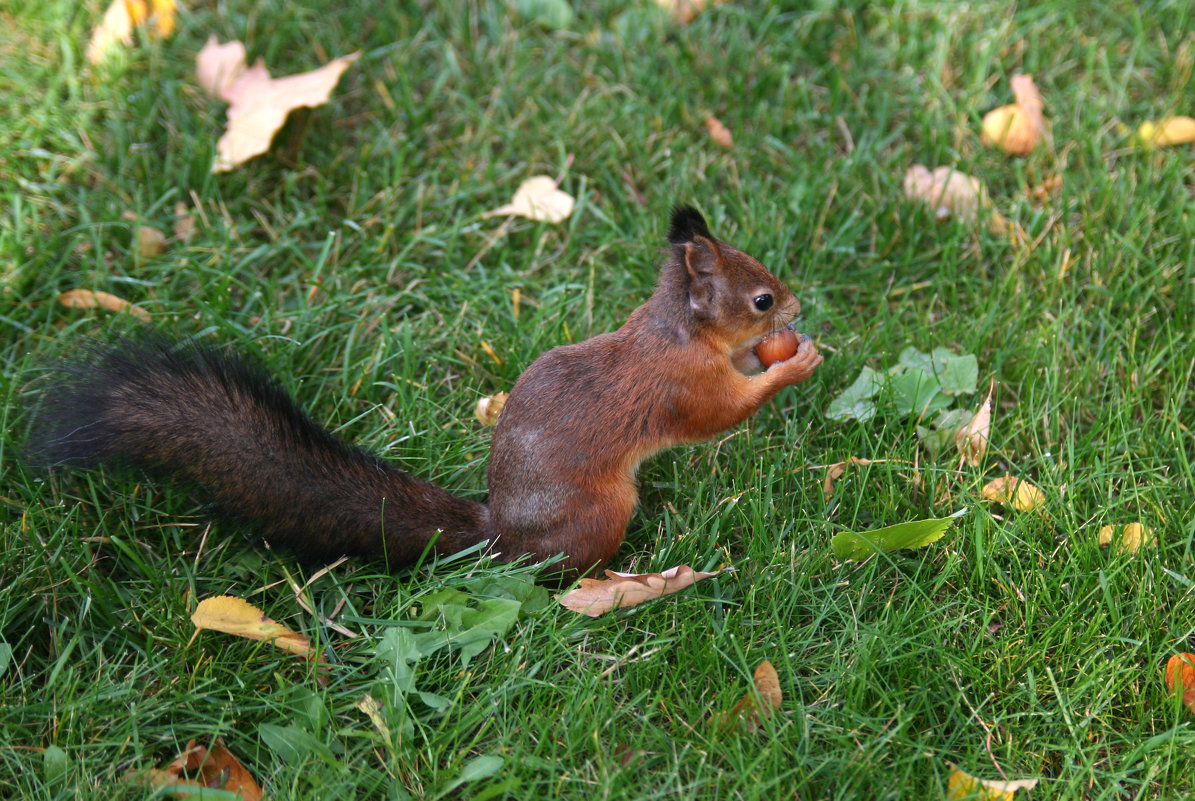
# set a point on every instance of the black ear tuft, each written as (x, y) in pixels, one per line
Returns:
(687, 222)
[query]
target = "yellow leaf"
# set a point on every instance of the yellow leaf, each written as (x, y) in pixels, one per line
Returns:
(116, 28)
(758, 705)
(962, 785)
(488, 409)
(537, 198)
(258, 105)
(1180, 678)
(594, 597)
(150, 242)
(1133, 537)
(94, 298)
(1170, 131)
(239, 617)
(1016, 128)
(1014, 492)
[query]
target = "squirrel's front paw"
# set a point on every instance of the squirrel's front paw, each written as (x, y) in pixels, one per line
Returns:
(800, 365)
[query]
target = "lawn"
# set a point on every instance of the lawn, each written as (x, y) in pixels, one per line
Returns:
(354, 261)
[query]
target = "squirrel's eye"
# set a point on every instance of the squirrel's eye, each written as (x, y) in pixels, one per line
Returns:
(763, 302)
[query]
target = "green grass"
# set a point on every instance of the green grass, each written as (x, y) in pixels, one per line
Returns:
(354, 261)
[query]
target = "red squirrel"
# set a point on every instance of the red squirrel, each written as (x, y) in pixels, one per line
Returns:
(564, 452)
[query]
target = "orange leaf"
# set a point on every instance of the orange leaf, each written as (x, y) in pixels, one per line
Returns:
(239, 617)
(94, 298)
(758, 705)
(594, 597)
(1180, 677)
(972, 439)
(1018, 127)
(215, 769)
(719, 132)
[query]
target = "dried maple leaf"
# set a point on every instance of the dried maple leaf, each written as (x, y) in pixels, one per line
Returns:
(94, 298)
(1018, 127)
(963, 785)
(756, 705)
(239, 617)
(972, 438)
(212, 768)
(537, 198)
(1170, 131)
(1180, 678)
(258, 104)
(1014, 492)
(594, 597)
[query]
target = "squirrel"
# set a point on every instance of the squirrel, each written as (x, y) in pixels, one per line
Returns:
(564, 452)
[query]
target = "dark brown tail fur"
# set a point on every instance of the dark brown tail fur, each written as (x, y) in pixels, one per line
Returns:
(204, 416)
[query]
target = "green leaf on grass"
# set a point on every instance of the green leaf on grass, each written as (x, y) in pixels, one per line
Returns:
(914, 534)
(556, 15)
(855, 402)
(918, 394)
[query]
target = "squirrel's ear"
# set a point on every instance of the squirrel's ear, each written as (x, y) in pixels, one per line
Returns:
(704, 265)
(687, 223)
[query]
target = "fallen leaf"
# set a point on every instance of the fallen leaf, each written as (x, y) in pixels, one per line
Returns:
(1016, 128)
(213, 769)
(836, 471)
(1133, 537)
(685, 11)
(913, 534)
(594, 597)
(150, 242)
(951, 193)
(239, 617)
(184, 223)
(217, 66)
(258, 104)
(972, 438)
(719, 132)
(537, 198)
(94, 298)
(962, 785)
(488, 409)
(1170, 131)
(1014, 492)
(1180, 678)
(373, 710)
(1046, 189)
(757, 704)
(116, 28)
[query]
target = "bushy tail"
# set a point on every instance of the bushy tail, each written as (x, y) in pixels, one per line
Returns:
(198, 414)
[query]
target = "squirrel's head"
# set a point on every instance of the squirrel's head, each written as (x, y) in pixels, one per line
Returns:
(732, 297)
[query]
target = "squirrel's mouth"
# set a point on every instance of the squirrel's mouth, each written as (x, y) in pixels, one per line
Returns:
(744, 357)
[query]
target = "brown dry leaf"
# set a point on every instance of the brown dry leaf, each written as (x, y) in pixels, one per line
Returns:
(719, 132)
(1133, 537)
(116, 28)
(836, 471)
(258, 105)
(488, 409)
(537, 198)
(94, 298)
(1014, 492)
(1046, 189)
(241, 618)
(758, 705)
(150, 242)
(1180, 678)
(1170, 131)
(951, 193)
(963, 785)
(184, 223)
(594, 597)
(972, 438)
(214, 769)
(217, 65)
(1016, 128)
(685, 11)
